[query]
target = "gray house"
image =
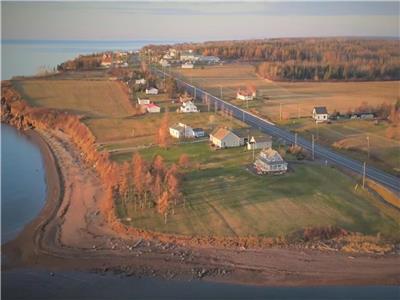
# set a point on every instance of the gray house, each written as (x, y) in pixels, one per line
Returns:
(269, 161)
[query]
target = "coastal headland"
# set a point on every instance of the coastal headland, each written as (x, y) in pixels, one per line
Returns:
(78, 229)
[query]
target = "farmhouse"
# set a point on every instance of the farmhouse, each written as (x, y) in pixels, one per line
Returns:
(224, 138)
(320, 114)
(151, 91)
(188, 107)
(270, 161)
(152, 108)
(143, 101)
(189, 56)
(187, 66)
(107, 59)
(181, 130)
(245, 95)
(259, 142)
(140, 81)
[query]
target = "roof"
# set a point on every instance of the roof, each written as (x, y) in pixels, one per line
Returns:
(262, 138)
(198, 129)
(270, 156)
(242, 132)
(151, 88)
(320, 110)
(221, 133)
(152, 105)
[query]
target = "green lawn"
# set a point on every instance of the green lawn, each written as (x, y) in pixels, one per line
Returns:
(224, 199)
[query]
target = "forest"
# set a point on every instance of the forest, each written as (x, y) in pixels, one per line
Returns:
(319, 59)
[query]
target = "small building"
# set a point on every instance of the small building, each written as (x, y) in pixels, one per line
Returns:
(187, 66)
(142, 101)
(181, 130)
(224, 138)
(140, 81)
(320, 114)
(245, 95)
(189, 56)
(151, 91)
(259, 142)
(199, 132)
(188, 107)
(152, 108)
(269, 161)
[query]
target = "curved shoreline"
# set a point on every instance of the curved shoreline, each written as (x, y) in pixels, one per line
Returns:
(42, 244)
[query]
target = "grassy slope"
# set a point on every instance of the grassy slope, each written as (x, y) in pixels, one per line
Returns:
(223, 198)
(89, 97)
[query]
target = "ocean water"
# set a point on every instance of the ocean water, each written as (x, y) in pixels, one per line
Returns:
(28, 57)
(23, 183)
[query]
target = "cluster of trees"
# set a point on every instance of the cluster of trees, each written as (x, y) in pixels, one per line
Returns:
(309, 58)
(83, 62)
(150, 185)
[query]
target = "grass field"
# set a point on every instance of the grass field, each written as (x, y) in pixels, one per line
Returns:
(350, 137)
(297, 98)
(223, 198)
(92, 98)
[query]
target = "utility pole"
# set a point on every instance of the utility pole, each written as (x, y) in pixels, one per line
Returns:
(295, 138)
(363, 180)
(316, 123)
(298, 111)
(313, 145)
(368, 145)
(280, 111)
(220, 91)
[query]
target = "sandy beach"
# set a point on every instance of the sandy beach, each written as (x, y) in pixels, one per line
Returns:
(71, 234)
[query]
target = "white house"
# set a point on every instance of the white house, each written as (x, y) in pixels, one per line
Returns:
(140, 81)
(224, 138)
(143, 101)
(320, 114)
(188, 107)
(152, 108)
(259, 142)
(270, 161)
(189, 56)
(151, 91)
(245, 95)
(187, 66)
(181, 130)
(164, 63)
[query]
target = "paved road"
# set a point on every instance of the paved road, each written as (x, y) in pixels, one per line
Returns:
(331, 156)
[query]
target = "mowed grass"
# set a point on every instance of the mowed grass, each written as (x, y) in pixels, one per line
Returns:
(296, 98)
(142, 130)
(92, 98)
(223, 198)
(350, 137)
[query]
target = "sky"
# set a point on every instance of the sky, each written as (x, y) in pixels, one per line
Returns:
(196, 21)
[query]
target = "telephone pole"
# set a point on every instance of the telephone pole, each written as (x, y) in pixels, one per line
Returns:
(368, 145)
(363, 180)
(280, 111)
(220, 87)
(295, 138)
(313, 145)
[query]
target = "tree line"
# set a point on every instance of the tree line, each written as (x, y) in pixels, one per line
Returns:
(309, 58)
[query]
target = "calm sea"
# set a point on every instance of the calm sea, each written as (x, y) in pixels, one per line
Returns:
(23, 186)
(28, 57)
